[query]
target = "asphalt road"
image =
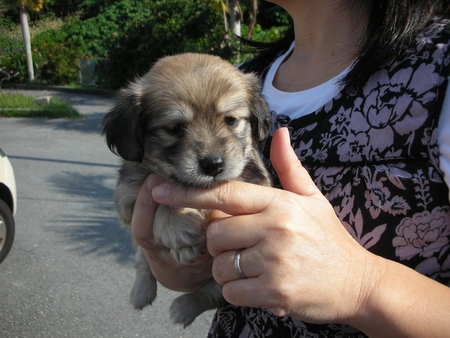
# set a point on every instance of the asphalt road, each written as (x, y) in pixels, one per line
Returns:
(70, 270)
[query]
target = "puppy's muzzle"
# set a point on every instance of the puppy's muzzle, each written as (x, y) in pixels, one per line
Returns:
(212, 165)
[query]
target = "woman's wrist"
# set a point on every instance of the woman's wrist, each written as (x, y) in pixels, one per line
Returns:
(400, 302)
(368, 314)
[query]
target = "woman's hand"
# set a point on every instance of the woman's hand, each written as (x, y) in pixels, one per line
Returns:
(170, 274)
(298, 258)
(300, 261)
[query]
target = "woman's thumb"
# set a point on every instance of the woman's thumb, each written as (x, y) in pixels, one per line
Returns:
(293, 176)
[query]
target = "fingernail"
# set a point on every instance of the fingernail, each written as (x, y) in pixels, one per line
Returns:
(160, 192)
(151, 181)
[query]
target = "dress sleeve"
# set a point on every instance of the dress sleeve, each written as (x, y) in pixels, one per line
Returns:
(443, 135)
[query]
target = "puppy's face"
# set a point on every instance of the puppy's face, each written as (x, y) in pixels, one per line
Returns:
(194, 119)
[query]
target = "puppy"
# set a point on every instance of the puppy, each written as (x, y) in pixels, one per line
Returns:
(195, 120)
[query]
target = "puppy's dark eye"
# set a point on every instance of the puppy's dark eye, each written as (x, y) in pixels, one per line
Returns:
(231, 121)
(176, 130)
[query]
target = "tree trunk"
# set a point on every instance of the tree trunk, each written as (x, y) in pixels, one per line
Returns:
(27, 42)
(254, 13)
(235, 17)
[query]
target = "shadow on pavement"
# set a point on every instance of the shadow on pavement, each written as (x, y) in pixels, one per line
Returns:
(96, 235)
(91, 124)
(93, 225)
(51, 160)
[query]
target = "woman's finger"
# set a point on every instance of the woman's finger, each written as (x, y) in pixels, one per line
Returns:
(248, 292)
(144, 213)
(231, 198)
(224, 266)
(232, 233)
(293, 176)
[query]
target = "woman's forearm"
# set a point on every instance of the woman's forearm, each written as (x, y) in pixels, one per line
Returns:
(403, 303)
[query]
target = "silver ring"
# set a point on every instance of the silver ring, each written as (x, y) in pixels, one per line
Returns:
(237, 267)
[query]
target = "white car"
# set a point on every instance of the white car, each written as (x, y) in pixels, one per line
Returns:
(8, 205)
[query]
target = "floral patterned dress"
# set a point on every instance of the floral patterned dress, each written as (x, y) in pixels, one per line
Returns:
(373, 154)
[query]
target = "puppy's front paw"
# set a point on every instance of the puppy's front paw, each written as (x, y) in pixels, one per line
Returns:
(188, 254)
(182, 231)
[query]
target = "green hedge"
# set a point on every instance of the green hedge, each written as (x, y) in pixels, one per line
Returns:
(131, 35)
(55, 60)
(128, 36)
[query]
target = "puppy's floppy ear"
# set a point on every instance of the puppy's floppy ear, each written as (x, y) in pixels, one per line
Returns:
(122, 127)
(260, 114)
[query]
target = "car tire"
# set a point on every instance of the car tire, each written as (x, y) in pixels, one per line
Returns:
(7, 231)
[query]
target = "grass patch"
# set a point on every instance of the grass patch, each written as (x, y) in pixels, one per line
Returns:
(18, 105)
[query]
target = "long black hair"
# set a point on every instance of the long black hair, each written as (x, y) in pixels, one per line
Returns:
(393, 26)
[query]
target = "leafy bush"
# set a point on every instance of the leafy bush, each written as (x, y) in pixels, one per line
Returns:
(131, 35)
(271, 15)
(268, 35)
(12, 57)
(174, 27)
(55, 61)
(98, 35)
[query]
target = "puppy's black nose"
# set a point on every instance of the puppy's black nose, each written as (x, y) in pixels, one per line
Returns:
(212, 165)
